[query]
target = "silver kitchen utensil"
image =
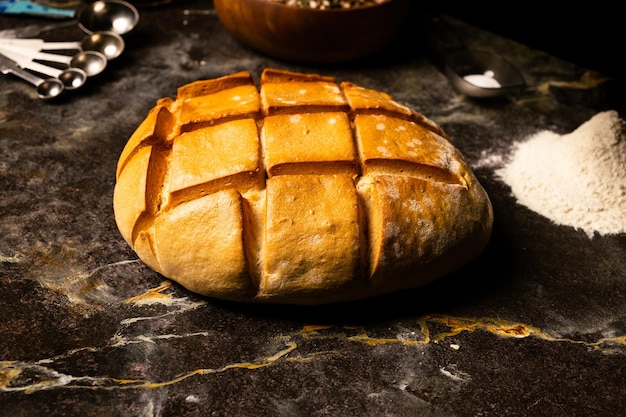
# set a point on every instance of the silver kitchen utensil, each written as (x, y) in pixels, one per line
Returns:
(108, 16)
(46, 88)
(478, 74)
(110, 44)
(482, 74)
(92, 62)
(72, 78)
(100, 16)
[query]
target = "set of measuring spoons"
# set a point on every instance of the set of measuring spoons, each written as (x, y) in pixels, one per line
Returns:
(104, 22)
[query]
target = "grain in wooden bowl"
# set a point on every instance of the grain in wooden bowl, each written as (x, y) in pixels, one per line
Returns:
(308, 32)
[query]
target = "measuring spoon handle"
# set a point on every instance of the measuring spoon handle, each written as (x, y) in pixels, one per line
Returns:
(26, 62)
(44, 56)
(40, 44)
(46, 89)
(7, 66)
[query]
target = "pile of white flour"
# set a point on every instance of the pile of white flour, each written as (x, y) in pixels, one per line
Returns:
(577, 179)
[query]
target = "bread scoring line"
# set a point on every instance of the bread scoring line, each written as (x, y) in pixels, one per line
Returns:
(162, 141)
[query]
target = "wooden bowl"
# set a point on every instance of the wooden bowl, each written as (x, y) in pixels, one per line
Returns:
(312, 35)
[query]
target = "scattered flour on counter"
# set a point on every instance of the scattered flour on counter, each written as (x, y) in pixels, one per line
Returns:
(577, 179)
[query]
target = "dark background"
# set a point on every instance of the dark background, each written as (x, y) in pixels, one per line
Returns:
(591, 34)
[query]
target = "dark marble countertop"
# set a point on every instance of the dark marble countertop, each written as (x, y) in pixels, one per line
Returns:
(536, 326)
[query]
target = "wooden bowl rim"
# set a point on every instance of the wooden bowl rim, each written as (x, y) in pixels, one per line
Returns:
(296, 9)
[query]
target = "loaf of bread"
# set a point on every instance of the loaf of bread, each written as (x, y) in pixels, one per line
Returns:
(302, 191)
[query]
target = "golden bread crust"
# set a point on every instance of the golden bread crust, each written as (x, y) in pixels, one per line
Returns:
(302, 191)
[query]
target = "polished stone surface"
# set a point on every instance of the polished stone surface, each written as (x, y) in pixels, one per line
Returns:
(535, 327)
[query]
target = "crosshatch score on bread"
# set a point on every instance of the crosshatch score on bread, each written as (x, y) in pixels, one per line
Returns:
(300, 191)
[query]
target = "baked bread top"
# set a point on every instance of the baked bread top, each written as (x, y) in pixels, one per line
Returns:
(304, 191)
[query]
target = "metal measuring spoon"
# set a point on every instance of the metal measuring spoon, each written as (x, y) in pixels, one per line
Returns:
(482, 74)
(479, 74)
(110, 44)
(103, 15)
(108, 15)
(92, 62)
(46, 89)
(72, 78)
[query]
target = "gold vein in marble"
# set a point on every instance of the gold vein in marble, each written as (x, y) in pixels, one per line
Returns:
(243, 365)
(153, 295)
(495, 326)
(45, 377)
(588, 80)
(157, 296)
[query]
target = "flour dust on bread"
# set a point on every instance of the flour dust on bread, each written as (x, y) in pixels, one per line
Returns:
(301, 191)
